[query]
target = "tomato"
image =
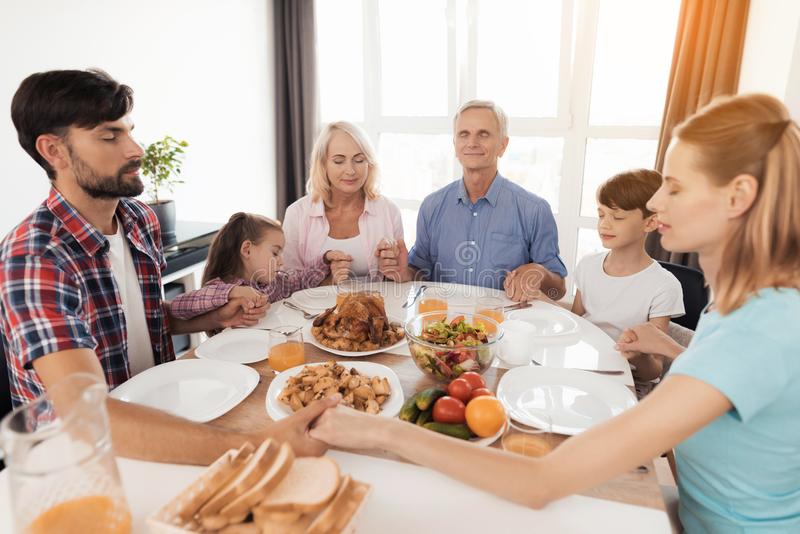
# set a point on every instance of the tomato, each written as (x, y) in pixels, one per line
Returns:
(448, 410)
(460, 389)
(485, 416)
(475, 380)
(480, 392)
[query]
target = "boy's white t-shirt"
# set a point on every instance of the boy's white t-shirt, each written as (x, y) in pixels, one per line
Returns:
(140, 348)
(615, 303)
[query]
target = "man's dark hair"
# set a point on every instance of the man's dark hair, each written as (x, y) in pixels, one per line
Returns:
(50, 102)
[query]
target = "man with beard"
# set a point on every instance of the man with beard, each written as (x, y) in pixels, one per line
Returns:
(80, 278)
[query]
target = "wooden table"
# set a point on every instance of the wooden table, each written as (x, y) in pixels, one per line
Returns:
(638, 488)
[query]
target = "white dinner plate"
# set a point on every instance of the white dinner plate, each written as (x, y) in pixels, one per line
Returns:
(237, 345)
(549, 322)
(391, 407)
(315, 298)
(198, 390)
(309, 338)
(574, 400)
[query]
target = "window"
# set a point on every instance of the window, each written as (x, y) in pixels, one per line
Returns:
(583, 83)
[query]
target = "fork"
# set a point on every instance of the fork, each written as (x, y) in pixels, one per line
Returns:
(421, 288)
(598, 371)
(295, 307)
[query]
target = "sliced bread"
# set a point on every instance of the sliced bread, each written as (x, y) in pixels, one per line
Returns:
(326, 520)
(256, 467)
(220, 473)
(309, 486)
(238, 510)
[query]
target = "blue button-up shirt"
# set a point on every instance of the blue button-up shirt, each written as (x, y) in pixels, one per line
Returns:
(478, 244)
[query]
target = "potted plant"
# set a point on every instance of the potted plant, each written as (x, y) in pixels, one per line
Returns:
(161, 165)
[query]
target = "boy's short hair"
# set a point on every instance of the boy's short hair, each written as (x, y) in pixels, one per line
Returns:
(630, 190)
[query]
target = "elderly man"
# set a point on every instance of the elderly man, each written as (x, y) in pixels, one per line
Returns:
(483, 229)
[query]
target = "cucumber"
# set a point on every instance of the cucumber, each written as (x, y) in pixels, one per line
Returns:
(426, 398)
(409, 412)
(460, 431)
(425, 417)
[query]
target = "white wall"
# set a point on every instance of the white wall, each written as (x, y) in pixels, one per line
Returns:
(771, 58)
(201, 70)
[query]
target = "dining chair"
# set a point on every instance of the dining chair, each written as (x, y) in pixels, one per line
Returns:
(695, 292)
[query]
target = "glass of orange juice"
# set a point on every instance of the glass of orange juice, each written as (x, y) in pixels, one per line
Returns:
(286, 349)
(62, 472)
(530, 441)
(491, 307)
(431, 302)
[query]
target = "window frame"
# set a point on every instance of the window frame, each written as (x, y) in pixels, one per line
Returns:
(576, 65)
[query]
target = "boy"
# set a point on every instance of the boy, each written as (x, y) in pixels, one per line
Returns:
(624, 286)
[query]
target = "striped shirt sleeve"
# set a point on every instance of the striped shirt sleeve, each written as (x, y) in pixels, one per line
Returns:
(211, 296)
(286, 283)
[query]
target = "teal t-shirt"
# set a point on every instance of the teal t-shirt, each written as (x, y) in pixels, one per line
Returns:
(741, 473)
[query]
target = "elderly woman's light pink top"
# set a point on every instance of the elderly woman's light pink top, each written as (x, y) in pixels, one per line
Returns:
(306, 229)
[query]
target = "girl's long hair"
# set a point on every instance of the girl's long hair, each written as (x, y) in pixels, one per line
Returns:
(224, 259)
(752, 134)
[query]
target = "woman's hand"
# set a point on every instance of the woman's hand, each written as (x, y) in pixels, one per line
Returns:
(295, 428)
(647, 339)
(348, 428)
(392, 258)
(340, 264)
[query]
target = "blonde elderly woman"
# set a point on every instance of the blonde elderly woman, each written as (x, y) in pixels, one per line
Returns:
(343, 209)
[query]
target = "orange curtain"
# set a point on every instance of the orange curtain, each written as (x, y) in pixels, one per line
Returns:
(705, 64)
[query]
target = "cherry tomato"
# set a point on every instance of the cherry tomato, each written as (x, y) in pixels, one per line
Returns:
(479, 392)
(449, 410)
(460, 389)
(475, 380)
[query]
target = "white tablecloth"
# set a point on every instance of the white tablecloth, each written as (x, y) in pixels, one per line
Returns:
(589, 348)
(405, 498)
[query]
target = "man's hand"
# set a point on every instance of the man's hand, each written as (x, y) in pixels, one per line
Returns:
(392, 259)
(340, 264)
(295, 428)
(525, 282)
(240, 311)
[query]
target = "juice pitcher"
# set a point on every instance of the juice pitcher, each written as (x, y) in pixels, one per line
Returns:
(62, 473)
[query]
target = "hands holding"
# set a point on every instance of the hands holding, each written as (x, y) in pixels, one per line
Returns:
(245, 307)
(525, 282)
(348, 428)
(340, 264)
(647, 339)
(296, 429)
(392, 258)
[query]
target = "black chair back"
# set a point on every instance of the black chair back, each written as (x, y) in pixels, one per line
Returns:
(695, 293)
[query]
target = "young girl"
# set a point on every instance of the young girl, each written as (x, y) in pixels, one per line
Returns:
(244, 260)
(624, 287)
(731, 192)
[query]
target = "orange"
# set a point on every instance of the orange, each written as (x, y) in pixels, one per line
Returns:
(485, 416)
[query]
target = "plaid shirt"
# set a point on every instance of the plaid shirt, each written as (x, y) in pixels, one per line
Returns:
(215, 293)
(57, 291)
